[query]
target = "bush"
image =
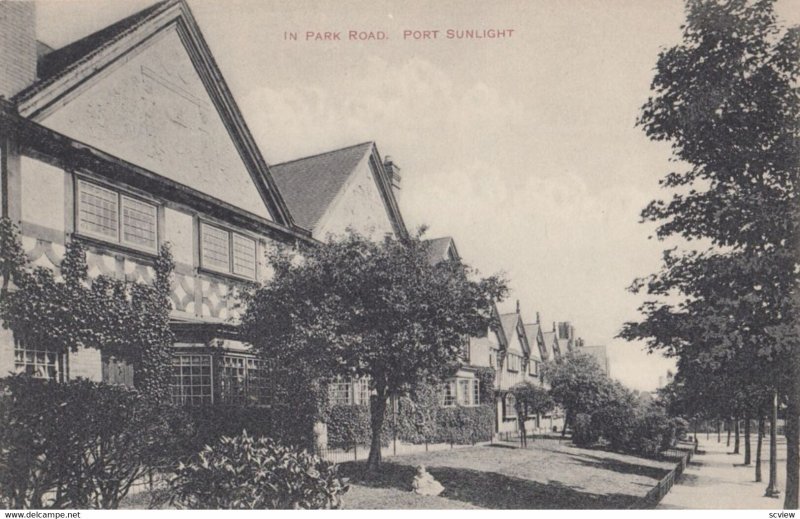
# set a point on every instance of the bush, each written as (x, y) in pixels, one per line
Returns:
(681, 428)
(654, 432)
(77, 444)
(417, 415)
(583, 433)
(615, 422)
(464, 425)
(243, 472)
(348, 425)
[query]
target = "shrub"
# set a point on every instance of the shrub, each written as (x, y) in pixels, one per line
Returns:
(654, 432)
(77, 444)
(583, 433)
(417, 415)
(348, 425)
(615, 422)
(681, 428)
(243, 472)
(464, 425)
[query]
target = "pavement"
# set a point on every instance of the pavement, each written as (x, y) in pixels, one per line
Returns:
(717, 480)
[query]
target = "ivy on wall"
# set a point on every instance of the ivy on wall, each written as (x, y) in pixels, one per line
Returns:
(124, 319)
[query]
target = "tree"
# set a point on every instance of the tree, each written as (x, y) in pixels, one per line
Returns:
(530, 400)
(577, 383)
(352, 307)
(726, 98)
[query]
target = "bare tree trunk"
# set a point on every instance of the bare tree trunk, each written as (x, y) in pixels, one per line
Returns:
(747, 454)
(566, 420)
(377, 404)
(792, 431)
(759, 441)
(736, 439)
(729, 426)
(719, 431)
(772, 486)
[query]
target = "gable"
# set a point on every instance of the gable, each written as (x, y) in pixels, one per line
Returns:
(358, 205)
(151, 108)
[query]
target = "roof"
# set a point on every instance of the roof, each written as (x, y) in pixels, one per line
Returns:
(61, 70)
(509, 324)
(53, 63)
(310, 184)
(532, 331)
(438, 249)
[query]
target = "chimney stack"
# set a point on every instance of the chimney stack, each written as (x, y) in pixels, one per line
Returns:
(538, 321)
(517, 306)
(393, 170)
(17, 46)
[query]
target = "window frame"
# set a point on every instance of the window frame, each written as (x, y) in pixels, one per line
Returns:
(230, 233)
(184, 401)
(60, 363)
(120, 195)
(251, 391)
(450, 393)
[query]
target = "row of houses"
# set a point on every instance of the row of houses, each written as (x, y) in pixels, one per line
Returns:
(129, 138)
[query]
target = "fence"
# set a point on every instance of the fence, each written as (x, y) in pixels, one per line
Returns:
(360, 452)
(657, 493)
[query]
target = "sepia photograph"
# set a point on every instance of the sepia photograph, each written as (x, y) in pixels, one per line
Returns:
(399, 254)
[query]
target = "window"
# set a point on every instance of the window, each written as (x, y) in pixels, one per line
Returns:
(493, 358)
(191, 379)
(117, 218)
(341, 393)
(476, 392)
(514, 362)
(533, 368)
(38, 363)
(449, 393)
(242, 380)
(509, 406)
(363, 392)
(227, 251)
(464, 392)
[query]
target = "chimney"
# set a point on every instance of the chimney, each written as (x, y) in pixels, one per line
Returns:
(537, 318)
(393, 171)
(517, 306)
(17, 46)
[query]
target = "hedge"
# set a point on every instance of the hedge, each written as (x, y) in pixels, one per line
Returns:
(464, 425)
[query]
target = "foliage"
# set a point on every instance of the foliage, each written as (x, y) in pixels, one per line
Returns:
(417, 416)
(464, 425)
(76, 444)
(583, 432)
(726, 98)
(616, 419)
(653, 433)
(348, 425)
(250, 473)
(127, 320)
(486, 377)
(356, 308)
(531, 400)
(577, 383)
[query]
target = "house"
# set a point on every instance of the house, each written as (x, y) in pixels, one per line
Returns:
(128, 139)
(345, 188)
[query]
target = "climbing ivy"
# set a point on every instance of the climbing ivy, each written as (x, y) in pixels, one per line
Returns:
(124, 319)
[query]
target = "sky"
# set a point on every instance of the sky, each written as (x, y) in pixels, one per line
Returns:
(523, 148)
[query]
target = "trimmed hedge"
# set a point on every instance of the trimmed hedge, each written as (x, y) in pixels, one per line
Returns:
(464, 425)
(348, 425)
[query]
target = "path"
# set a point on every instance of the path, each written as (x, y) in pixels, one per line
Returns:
(712, 481)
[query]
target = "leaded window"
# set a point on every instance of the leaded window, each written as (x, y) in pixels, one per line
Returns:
(191, 379)
(111, 216)
(227, 251)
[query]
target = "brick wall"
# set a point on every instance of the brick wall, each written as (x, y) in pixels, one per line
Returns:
(17, 46)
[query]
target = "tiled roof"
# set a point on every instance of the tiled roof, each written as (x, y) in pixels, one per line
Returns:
(532, 331)
(310, 184)
(53, 63)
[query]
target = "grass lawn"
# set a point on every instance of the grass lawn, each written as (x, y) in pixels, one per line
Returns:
(544, 476)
